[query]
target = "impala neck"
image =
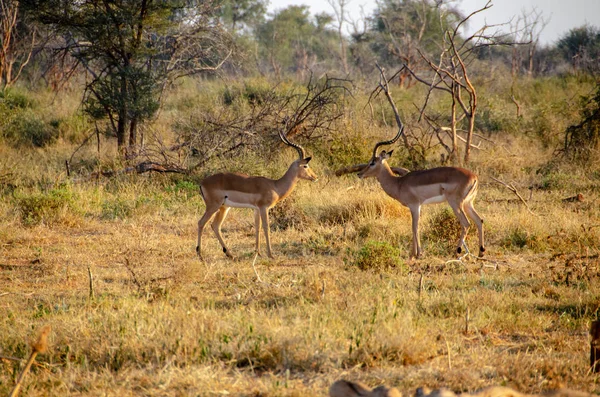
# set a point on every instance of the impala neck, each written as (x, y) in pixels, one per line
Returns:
(385, 176)
(287, 182)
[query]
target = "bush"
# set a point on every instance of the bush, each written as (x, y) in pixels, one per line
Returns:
(29, 129)
(443, 227)
(15, 100)
(378, 256)
(39, 207)
(117, 209)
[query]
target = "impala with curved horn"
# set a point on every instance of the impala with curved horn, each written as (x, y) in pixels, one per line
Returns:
(225, 190)
(457, 186)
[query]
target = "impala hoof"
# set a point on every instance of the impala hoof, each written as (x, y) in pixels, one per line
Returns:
(481, 251)
(226, 252)
(458, 250)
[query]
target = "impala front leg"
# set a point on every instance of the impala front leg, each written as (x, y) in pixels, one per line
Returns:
(264, 214)
(416, 243)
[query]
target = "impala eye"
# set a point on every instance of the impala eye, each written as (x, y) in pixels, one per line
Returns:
(305, 166)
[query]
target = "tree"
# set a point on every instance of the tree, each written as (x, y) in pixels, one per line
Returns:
(17, 41)
(339, 9)
(292, 42)
(242, 14)
(581, 47)
(526, 30)
(404, 28)
(132, 49)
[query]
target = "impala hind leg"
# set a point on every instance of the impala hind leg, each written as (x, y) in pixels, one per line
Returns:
(210, 211)
(464, 225)
(216, 227)
(478, 222)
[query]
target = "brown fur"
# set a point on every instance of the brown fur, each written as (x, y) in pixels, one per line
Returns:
(225, 190)
(457, 186)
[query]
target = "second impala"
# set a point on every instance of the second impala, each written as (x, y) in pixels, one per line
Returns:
(457, 186)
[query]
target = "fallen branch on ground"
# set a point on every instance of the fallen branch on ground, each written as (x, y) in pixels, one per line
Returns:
(513, 189)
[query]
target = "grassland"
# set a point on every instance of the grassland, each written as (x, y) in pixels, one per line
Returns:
(162, 323)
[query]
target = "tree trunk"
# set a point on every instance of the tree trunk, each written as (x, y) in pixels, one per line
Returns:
(123, 121)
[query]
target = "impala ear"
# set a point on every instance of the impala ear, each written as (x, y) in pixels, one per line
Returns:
(386, 155)
(306, 160)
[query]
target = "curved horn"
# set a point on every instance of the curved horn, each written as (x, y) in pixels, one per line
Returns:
(299, 148)
(394, 139)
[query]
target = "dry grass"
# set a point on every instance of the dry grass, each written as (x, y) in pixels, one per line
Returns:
(162, 323)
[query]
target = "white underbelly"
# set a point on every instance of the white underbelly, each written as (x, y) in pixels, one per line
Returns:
(435, 200)
(227, 202)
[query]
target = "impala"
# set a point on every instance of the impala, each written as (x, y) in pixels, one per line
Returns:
(457, 186)
(225, 190)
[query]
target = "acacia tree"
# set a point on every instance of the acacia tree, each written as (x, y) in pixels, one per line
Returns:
(131, 49)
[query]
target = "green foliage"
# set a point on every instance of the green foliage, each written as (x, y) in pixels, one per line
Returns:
(443, 227)
(582, 140)
(132, 49)
(26, 128)
(581, 46)
(240, 14)
(519, 237)
(184, 188)
(253, 92)
(13, 99)
(118, 208)
(292, 42)
(378, 256)
(39, 208)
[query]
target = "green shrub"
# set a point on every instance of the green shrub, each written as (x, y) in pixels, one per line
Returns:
(186, 189)
(518, 237)
(44, 207)
(15, 100)
(117, 209)
(287, 214)
(442, 227)
(28, 129)
(378, 256)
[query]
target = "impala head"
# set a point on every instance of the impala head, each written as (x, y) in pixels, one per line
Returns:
(372, 169)
(376, 162)
(303, 169)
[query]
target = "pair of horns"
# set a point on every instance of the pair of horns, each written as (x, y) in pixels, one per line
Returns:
(299, 148)
(394, 139)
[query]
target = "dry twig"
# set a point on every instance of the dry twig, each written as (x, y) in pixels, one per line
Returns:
(513, 189)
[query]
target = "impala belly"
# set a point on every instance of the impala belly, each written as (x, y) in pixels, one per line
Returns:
(435, 200)
(431, 194)
(240, 200)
